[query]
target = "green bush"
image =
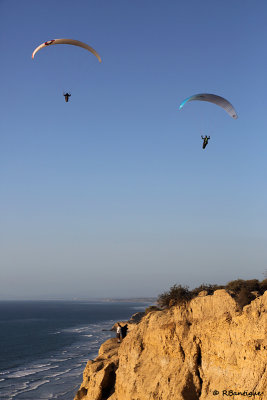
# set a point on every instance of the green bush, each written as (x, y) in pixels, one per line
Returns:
(244, 297)
(239, 289)
(252, 285)
(235, 286)
(177, 295)
(263, 286)
(208, 287)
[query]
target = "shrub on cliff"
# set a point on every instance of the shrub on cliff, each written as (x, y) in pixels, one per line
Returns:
(236, 286)
(263, 286)
(252, 285)
(244, 297)
(209, 288)
(177, 295)
(245, 291)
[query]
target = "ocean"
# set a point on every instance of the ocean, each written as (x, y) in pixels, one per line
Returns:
(45, 345)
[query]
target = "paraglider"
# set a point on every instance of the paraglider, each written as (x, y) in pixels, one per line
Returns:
(212, 98)
(66, 95)
(205, 141)
(70, 42)
(67, 41)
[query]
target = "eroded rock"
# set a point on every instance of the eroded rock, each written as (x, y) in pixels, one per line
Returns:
(184, 353)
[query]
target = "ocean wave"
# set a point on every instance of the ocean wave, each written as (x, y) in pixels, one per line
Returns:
(28, 387)
(30, 371)
(77, 330)
(34, 386)
(18, 390)
(59, 373)
(42, 365)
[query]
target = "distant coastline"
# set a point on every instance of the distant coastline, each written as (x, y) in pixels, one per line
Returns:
(131, 300)
(75, 299)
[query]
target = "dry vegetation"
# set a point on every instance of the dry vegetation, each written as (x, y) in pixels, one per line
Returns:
(243, 291)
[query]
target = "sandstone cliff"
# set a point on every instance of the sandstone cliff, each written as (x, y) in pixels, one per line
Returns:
(185, 353)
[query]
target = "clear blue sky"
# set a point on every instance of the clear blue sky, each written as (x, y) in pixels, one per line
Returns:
(111, 194)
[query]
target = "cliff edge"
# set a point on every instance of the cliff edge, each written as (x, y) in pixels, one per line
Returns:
(185, 353)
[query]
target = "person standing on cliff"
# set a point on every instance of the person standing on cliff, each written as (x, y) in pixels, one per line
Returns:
(119, 332)
(124, 330)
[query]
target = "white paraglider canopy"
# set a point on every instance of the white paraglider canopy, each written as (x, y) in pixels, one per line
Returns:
(212, 98)
(67, 41)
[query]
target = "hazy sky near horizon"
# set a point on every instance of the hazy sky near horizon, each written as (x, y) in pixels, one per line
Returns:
(111, 194)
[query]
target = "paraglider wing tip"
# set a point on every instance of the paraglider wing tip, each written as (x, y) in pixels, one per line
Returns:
(183, 103)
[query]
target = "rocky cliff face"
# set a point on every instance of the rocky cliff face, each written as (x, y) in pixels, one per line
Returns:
(185, 353)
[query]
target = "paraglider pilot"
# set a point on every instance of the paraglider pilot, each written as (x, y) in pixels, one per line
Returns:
(205, 141)
(66, 95)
